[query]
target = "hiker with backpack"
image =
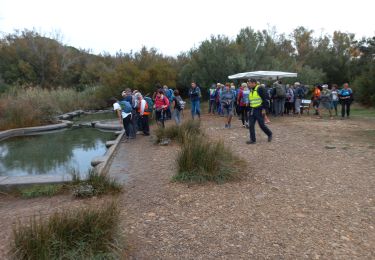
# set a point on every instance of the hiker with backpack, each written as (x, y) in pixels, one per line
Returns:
(169, 94)
(346, 99)
(299, 95)
(325, 101)
(144, 110)
(279, 95)
(335, 97)
(243, 103)
(316, 98)
(195, 96)
(212, 102)
(289, 101)
(227, 100)
(161, 105)
(123, 110)
(178, 107)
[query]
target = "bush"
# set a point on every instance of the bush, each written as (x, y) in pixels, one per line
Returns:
(178, 133)
(74, 234)
(201, 160)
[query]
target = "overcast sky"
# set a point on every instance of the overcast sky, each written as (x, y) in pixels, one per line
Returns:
(175, 26)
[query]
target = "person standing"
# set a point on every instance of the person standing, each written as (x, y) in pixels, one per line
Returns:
(335, 97)
(300, 94)
(144, 111)
(124, 113)
(227, 101)
(212, 103)
(243, 101)
(161, 105)
(257, 110)
(195, 95)
(346, 98)
(178, 107)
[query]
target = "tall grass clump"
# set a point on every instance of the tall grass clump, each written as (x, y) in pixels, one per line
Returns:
(178, 133)
(201, 160)
(24, 107)
(94, 185)
(84, 233)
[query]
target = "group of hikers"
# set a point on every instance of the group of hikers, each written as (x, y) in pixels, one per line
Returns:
(251, 102)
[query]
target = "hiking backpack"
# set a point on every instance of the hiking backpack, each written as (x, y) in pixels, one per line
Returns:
(125, 106)
(150, 104)
(245, 97)
(280, 91)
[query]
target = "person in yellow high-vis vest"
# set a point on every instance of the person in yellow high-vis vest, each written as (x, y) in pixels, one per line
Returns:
(258, 102)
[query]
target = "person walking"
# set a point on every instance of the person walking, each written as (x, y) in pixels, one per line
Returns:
(212, 103)
(257, 110)
(195, 95)
(300, 94)
(346, 98)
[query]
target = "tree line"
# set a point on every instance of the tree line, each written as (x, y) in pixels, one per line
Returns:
(28, 58)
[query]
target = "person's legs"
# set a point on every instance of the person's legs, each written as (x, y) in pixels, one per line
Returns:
(126, 122)
(177, 116)
(198, 109)
(297, 106)
(259, 118)
(242, 113)
(343, 109)
(348, 108)
(252, 120)
(145, 125)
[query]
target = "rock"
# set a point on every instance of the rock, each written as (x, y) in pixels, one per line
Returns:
(109, 143)
(96, 160)
(330, 147)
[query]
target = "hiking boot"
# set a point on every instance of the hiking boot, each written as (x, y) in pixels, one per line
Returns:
(269, 138)
(250, 142)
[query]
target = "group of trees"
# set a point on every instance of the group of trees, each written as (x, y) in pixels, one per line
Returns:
(28, 58)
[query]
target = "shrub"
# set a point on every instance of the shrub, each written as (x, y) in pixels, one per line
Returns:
(178, 133)
(201, 160)
(74, 234)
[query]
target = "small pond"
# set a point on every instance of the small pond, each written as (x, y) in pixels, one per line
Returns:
(52, 153)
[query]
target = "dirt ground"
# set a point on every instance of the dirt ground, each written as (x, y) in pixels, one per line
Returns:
(308, 194)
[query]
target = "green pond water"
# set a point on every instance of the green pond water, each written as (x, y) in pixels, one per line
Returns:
(53, 153)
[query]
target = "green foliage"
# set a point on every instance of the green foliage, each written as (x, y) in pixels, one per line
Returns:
(47, 190)
(94, 185)
(88, 233)
(202, 160)
(178, 133)
(28, 58)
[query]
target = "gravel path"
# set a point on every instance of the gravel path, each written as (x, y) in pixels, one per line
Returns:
(309, 194)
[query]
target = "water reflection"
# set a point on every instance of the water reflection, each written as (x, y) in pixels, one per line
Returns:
(52, 153)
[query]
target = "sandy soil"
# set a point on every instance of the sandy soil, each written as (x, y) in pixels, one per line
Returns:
(308, 194)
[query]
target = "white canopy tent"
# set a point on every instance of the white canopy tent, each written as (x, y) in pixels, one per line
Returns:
(265, 75)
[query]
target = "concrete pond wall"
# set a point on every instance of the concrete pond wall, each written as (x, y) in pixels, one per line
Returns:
(100, 163)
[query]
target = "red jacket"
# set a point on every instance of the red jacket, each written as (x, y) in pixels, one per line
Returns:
(161, 101)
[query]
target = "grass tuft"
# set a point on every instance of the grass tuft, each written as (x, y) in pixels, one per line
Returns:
(86, 233)
(178, 133)
(201, 160)
(47, 190)
(95, 184)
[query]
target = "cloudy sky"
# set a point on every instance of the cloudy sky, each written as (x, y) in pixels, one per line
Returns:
(175, 26)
